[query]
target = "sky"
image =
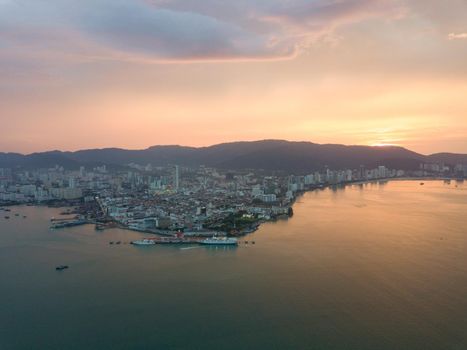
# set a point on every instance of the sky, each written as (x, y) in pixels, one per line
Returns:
(136, 73)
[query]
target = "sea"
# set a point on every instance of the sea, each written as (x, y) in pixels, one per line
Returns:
(371, 266)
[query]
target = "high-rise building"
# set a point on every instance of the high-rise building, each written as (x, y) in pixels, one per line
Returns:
(382, 173)
(71, 182)
(177, 178)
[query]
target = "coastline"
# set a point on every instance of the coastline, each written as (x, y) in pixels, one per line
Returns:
(363, 182)
(258, 224)
(255, 225)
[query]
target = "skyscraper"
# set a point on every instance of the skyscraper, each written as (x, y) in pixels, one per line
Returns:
(71, 182)
(177, 178)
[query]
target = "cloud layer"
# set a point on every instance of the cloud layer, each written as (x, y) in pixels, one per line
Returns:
(175, 30)
(131, 73)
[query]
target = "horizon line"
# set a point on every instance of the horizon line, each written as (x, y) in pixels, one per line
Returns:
(223, 143)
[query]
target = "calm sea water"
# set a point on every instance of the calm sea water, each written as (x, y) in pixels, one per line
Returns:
(377, 266)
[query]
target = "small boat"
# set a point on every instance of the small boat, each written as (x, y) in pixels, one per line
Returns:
(7, 217)
(111, 242)
(16, 214)
(61, 267)
(118, 242)
(422, 183)
(24, 216)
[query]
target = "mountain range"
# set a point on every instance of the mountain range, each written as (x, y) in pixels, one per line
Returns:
(269, 155)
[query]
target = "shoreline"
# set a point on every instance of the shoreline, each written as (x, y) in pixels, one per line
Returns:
(363, 182)
(259, 223)
(254, 227)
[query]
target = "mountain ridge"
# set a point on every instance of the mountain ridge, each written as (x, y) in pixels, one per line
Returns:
(271, 154)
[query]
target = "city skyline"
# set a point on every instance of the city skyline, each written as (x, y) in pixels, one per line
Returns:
(233, 174)
(132, 74)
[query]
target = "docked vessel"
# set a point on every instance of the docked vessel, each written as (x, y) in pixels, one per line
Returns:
(219, 241)
(63, 224)
(144, 241)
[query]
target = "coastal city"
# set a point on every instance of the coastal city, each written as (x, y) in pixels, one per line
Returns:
(173, 200)
(228, 175)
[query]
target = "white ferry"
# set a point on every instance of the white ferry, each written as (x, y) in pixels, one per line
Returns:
(219, 241)
(144, 241)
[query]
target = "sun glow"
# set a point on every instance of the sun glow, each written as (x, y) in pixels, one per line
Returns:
(383, 144)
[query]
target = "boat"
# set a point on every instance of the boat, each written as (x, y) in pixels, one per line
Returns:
(61, 267)
(422, 183)
(144, 241)
(62, 224)
(7, 217)
(16, 214)
(219, 241)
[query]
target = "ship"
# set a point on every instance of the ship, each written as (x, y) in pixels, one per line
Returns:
(63, 224)
(219, 241)
(144, 241)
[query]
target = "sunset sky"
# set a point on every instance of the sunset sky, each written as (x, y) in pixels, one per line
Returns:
(136, 73)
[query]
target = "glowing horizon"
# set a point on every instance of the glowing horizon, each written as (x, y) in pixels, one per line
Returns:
(132, 74)
(382, 145)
